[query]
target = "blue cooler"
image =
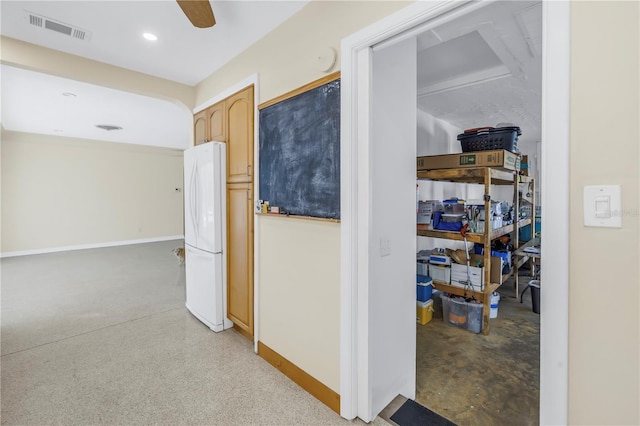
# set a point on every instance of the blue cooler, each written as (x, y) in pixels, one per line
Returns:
(425, 287)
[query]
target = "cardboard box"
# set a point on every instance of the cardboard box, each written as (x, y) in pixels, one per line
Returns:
(424, 218)
(524, 165)
(502, 159)
(459, 272)
(440, 273)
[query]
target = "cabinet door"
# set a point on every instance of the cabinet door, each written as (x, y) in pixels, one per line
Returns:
(239, 108)
(216, 122)
(200, 128)
(240, 257)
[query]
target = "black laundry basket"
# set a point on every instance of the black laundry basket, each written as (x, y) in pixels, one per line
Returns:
(489, 138)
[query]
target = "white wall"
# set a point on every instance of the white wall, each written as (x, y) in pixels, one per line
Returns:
(61, 192)
(286, 59)
(604, 290)
(436, 136)
(305, 291)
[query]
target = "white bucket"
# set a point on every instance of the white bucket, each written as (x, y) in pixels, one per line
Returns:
(495, 298)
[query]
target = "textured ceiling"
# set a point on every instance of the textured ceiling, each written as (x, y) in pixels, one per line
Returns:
(485, 69)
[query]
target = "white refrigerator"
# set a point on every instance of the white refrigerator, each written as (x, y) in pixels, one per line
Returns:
(205, 234)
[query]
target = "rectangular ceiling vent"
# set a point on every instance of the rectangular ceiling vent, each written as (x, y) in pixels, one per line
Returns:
(57, 26)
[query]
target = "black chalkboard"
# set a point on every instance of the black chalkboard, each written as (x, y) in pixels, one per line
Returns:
(300, 153)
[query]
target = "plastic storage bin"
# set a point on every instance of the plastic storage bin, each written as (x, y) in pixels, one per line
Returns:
(424, 312)
(474, 317)
(525, 231)
(422, 268)
(489, 139)
(457, 312)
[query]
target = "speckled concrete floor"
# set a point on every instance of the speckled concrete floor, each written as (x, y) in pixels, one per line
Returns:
(102, 337)
(472, 379)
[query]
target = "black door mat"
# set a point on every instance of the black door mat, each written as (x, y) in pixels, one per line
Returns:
(413, 414)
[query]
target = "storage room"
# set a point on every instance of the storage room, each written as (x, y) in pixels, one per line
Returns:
(478, 215)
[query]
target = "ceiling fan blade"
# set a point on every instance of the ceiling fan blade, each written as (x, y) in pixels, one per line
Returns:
(199, 12)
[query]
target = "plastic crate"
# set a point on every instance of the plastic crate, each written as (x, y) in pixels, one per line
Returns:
(462, 314)
(488, 139)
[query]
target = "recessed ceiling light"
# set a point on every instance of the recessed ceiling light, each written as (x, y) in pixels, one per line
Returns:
(69, 94)
(108, 127)
(150, 37)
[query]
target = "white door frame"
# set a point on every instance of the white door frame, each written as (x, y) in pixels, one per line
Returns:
(355, 392)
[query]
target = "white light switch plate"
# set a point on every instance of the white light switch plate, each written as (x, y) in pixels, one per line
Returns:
(603, 206)
(385, 247)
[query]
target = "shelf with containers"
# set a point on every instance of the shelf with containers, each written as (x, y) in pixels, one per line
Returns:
(487, 176)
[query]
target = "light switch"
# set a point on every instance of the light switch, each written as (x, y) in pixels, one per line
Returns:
(385, 247)
(603, 206)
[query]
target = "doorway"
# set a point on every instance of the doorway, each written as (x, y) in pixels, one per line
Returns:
(481, 69)
(374, 241)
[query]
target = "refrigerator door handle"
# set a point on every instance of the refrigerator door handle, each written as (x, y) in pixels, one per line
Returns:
(194, 195)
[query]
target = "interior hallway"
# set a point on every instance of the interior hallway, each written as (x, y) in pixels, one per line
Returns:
(101, 336)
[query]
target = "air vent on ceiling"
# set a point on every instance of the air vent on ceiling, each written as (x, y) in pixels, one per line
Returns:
(108, 127)
(57, 26)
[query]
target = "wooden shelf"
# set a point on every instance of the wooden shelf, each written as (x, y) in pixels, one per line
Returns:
(422, 231)
(488, 177)
(524, 179)
(493, 287)
(458, 291)
(462, 292)
(449, 235)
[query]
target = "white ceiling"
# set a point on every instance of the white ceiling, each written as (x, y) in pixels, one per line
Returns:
(482, 69)
(33, 102)
(38, 103)
(182, 52)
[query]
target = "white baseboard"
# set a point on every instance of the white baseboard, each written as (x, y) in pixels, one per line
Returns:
(90, 246)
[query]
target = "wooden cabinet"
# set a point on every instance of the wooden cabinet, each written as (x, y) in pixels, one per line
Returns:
(487, 176)
(216, 120)
(200, 127)
(231, 121)
(210, 124)
(239, 116)
(240, 257)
